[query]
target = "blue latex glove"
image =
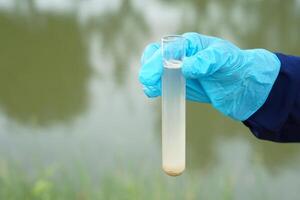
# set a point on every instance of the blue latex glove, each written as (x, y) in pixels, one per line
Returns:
(236, 82)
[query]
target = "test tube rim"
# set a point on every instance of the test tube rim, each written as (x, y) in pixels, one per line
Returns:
(170, 38)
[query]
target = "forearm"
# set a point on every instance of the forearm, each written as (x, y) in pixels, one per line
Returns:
(279, 118)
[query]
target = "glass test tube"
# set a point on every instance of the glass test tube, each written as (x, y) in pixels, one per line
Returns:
(173, 106)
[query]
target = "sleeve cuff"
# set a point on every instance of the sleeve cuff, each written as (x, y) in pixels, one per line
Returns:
(267, 122)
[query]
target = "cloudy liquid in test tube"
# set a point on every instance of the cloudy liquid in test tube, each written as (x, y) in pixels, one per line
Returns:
(173, 118)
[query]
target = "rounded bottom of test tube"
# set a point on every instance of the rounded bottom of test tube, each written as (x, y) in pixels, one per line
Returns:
(173, 171)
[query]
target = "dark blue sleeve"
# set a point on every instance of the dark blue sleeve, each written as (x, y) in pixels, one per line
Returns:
(279, 118)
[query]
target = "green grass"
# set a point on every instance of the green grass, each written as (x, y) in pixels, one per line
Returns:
(58, 183)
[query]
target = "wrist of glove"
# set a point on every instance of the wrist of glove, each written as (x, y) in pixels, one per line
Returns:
(236, 82)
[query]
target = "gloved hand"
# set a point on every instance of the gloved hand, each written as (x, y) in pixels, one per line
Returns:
(236, 82)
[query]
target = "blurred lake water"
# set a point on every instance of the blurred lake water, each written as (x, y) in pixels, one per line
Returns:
(70, 98)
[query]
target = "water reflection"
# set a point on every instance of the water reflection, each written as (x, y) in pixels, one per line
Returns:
(43, 69)
(121, 33)
(99, 131)
(78, 62)
(265, 24)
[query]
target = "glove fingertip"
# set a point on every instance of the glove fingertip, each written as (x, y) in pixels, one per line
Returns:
(152, 70)
(148, 79)
(188, 70)
(142, 80)
(151, 92)
(149, 51)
